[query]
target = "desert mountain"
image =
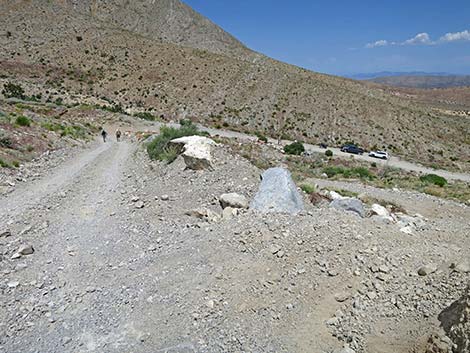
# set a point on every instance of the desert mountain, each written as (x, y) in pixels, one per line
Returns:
(169, 21)
(162, 57)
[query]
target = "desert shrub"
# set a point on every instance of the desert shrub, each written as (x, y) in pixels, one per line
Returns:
(146, 116)
(261, 137)
(11, 90)
(16, 164)
(5, 141)
(4, 164)
(160, 148)
(360, 172)
(307, 188)
(329, 153)
(333, 170)
(23, 121)
(295, 148)
(30, 148)
(433, 179)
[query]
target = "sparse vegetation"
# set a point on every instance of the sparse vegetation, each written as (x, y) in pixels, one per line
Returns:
(360, 172)
(12, 90)
(329, 153)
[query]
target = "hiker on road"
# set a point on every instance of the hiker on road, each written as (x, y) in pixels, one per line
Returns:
(104, 134)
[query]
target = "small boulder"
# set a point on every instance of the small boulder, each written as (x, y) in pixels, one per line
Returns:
(350, 205)
(427, 270)
(196, 151)
(25, 250)
(277, 193)
(233, 200)
(229, 213)
(379, 210)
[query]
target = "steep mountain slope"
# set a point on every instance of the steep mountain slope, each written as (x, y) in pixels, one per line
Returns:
(168, 21)
(424, 81)
(87, 56)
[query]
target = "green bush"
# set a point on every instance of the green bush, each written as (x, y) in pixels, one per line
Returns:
(295, 148)
(307, 188)
(11, 90)
(23, 121)
(160, 148)
(433, 179)
(329, 153)
(261, 137)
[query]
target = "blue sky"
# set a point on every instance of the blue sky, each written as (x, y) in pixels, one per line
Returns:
(351, 36)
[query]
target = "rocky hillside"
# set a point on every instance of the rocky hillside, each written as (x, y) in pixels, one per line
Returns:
(141, 57)
(168, 21)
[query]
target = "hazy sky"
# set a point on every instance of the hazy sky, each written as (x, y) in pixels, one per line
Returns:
(351, 36)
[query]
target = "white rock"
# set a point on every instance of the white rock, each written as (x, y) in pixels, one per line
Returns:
(379, 210)
(335, 196)
(233, 200)
(197, 151)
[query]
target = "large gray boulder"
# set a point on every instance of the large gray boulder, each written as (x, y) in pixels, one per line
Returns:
(349, 204)
(277, 193)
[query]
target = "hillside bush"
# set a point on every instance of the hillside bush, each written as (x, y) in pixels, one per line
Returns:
(329, 153)
(160, 148)
(433, 179)
(295, 148)
(261, 137)
(307, 188)
(23, 121)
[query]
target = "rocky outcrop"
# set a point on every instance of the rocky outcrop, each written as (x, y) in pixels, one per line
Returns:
(196, 151)
(455, 321)
(277, 193)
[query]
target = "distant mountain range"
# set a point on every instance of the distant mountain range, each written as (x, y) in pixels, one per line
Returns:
(373, 75)
(416, 79)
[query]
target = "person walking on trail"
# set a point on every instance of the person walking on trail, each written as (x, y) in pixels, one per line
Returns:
(104, 134)
(118, 135)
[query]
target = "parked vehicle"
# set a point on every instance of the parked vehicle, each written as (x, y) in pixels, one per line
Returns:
(323, 145)
(379, 154)
(352, 149)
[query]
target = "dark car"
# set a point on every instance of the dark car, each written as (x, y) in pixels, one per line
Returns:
(352, 149)
(323, 145)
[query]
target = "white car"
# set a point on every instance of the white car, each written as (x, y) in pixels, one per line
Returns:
(379, 154)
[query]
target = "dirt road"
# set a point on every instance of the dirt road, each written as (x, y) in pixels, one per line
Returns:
(119, 266)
